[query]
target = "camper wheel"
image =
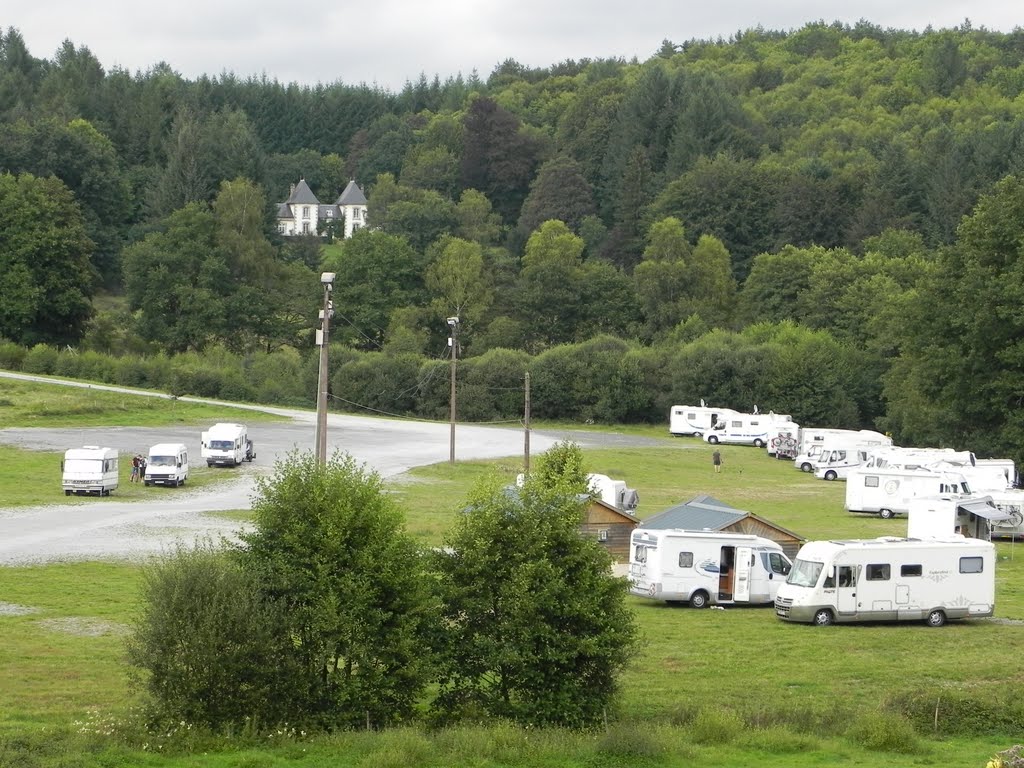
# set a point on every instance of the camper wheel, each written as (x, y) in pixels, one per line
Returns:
(67, 493)
(823, 618)
(758, 442)
(831, 475)
(806, 467)
(713, 439)
(886, 514)
(935, 619)
(699, 599)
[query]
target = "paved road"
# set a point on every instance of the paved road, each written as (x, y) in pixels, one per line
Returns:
(109, 528)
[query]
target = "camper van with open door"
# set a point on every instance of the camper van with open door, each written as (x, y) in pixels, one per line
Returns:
(695, 419)
(705, 567)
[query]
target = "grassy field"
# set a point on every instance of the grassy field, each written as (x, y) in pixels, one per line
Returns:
(714, 687)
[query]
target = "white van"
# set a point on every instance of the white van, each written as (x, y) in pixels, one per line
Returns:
(167, 464)
(695, 419)
(227, 445)
(890, 579)
(749, 429)
(705, 567)
(889, 491)
(814, 442)
(89, 469)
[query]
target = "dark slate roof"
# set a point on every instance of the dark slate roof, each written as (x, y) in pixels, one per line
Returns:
(284, 211)
(352, 195)
(302, 195)
(329, 212)
(696, 514)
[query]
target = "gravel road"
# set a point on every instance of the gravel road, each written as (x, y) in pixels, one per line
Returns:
(106, 528)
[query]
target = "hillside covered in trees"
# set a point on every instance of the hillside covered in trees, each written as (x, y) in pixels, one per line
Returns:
(827, 221)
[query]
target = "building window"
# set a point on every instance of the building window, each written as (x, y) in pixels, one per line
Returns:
(305, 227)
(602, 535)
(686, 559)
(329, 213)
(355, 214)
(971, 565)
(305, 211)
(878, 572)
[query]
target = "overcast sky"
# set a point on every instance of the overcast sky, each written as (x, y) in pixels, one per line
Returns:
(387, 42)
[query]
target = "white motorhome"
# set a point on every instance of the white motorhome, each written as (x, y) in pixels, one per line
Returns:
(984, 475)
(227, 445)
(705, 567)
(934, 517)
(889, 491)
(815, 442)
(890, 579)
(167, 464)
(695, 419)
(614, 492)
(90, 469)
(899, 457)
(1010, 501)
(749, 429)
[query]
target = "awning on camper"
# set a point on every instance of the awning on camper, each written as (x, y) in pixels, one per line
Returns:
(983, 508)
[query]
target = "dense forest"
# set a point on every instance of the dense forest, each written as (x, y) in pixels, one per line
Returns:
(826, 221)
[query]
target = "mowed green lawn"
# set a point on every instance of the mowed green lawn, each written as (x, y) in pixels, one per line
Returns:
(715, 687)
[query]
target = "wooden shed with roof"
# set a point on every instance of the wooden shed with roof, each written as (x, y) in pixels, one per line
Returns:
(610, 526)
(705, 513)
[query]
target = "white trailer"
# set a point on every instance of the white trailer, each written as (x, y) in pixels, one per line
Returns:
(814, 442)
(705, 567)
(614, 492)
(890, 579)
(1010, 501)
(934, 517)
(167, 464)
(90, 470)
(695, 419)
(227, 445)
(889, 491)
(755, 429)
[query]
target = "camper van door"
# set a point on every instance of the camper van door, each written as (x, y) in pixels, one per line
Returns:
(741, 588)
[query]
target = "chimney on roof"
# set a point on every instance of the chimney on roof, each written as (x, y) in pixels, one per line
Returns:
(291, 190)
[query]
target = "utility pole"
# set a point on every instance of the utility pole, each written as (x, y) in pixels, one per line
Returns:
(322, 339)
(526, 430)
(453, 340)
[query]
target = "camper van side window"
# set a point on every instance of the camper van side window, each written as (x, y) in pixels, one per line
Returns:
(686, 559)
(971, 565)
(778, 564)
(871, 481)
(910, 570)
(878, 572)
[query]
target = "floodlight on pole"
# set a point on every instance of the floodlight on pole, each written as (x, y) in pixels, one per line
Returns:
(323, 339)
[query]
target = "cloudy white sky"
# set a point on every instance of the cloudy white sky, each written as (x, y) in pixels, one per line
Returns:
(387, 42)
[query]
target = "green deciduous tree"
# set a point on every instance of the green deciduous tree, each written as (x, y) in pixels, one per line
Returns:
(538, 627)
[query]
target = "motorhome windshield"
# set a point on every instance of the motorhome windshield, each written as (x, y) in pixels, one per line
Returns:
(222, 445)
(162, 461)
(805, 573)
(83, 465)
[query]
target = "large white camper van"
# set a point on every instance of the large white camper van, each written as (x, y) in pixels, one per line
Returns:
(704, 567)
(934, 517)
(227, 445)
(890, 579)
(1010, 501)
(167, 464)
(755, 429)
(89, 469)
(889, 491)
(695, 419)
(814, 444)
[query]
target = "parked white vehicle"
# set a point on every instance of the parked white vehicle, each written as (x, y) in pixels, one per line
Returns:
(167, 464)
(906, 457)
(704, 567)
(814, 442)
(890, 579)
(749, 429)
(837, 463)
(695, 419)
(934, 517)
(889, 491)
(614, 492)
(984, 475)
(227, 445)
(90, 469)
(1010, 501)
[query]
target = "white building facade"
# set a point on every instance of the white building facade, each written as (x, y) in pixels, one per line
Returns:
(303, 213)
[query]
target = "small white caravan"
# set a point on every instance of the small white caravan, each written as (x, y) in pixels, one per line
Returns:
(934, 517)
(889, 491)
(890, 579)
(90, 470)
(749, 429)
(167, 464)
(695, 419)
(227, 445)
(705, 567)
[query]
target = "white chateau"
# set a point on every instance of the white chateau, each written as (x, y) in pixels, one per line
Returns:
(302, 213)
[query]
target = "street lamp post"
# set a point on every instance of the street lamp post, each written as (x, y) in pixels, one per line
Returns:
(322, 338)
(453, 340)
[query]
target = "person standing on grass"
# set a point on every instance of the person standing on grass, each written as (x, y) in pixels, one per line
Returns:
(135, 469)
(716, 459)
